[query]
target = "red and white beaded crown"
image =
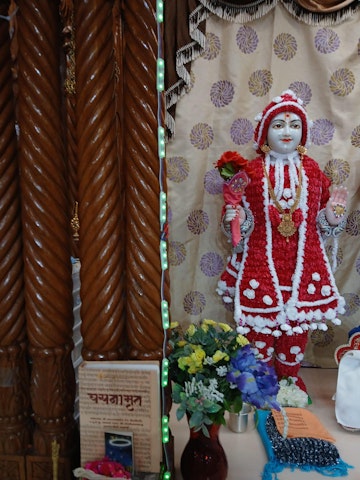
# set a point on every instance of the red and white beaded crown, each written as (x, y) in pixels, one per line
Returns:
(286, 102)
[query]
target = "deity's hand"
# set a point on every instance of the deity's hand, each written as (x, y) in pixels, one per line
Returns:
(231, 212)
(336, 206)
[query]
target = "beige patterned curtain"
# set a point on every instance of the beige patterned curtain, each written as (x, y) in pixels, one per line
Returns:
(243, 64)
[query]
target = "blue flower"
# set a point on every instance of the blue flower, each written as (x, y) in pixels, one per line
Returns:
(256, 380)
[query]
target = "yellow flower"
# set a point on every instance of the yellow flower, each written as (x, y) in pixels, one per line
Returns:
(219, 355)
(241, 340)
(194, 362)
(207, 321)
(181, 343)
(191, 330)
(174, 325)
(183, 362)
(225, 327)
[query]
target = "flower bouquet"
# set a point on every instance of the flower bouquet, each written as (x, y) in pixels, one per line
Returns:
(233, 168)
(214, 369)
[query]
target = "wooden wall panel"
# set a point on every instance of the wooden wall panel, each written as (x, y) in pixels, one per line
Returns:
(87, 109)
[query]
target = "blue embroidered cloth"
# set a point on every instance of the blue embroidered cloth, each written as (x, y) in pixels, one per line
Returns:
(307, 454)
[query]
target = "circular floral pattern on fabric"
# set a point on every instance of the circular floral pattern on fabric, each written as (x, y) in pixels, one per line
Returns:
(222, 93)
(322, 131)
(213, 183)
(211, 264)
(302, 90)
(352, 303)
(321, 338)
(194, 303)
(212, 46)
(355, 137)
(247, 39)
(326, 40)
(198, 222)
(339, 254)
(177, 169)
(241, 131)
(353, 223)
(201, 136)
(337, 170)
(285, 46)
(260, 82)
(357, 265)
(176, 253)
(342, 82)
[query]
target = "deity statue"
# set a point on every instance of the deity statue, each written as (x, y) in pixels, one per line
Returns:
(279, 277)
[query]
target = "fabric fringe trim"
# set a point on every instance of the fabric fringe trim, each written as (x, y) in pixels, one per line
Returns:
(257, 9)
(272, 468)
(185, 55)
(315, 19)
(243, 14)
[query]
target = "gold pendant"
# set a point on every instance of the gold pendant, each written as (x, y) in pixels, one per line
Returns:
(287, 226)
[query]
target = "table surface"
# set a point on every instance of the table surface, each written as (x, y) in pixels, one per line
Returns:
(245, 452)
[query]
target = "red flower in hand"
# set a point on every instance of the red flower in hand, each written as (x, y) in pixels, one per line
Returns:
(231, 163)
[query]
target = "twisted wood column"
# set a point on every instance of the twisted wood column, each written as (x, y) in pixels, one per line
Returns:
(46, 232)
(143, 268)
(14, 372)
(67, 15)
(100, 212)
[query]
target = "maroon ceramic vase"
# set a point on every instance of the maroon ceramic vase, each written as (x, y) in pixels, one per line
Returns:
(204, 457)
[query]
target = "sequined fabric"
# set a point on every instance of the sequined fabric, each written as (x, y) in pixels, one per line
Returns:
(301, 451)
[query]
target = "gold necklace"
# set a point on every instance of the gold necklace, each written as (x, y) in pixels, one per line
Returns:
(287, 227)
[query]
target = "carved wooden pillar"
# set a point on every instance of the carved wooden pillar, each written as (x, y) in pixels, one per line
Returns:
(15, 431)
(67, 15)
(46, 234)
(143, 269)
(100, 203)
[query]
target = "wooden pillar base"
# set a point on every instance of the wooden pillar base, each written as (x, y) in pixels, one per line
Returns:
(12, 466)
(41, 468)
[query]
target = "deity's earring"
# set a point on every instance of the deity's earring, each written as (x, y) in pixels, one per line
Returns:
(265, 148)
(302, 150)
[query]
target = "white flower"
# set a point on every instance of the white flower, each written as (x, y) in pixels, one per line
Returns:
(315, 276)
(208, 361)
(290, 395)
(222, 370)
(254, 283)
(209, 392)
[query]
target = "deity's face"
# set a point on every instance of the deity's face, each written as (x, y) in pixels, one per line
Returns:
(285, 132)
